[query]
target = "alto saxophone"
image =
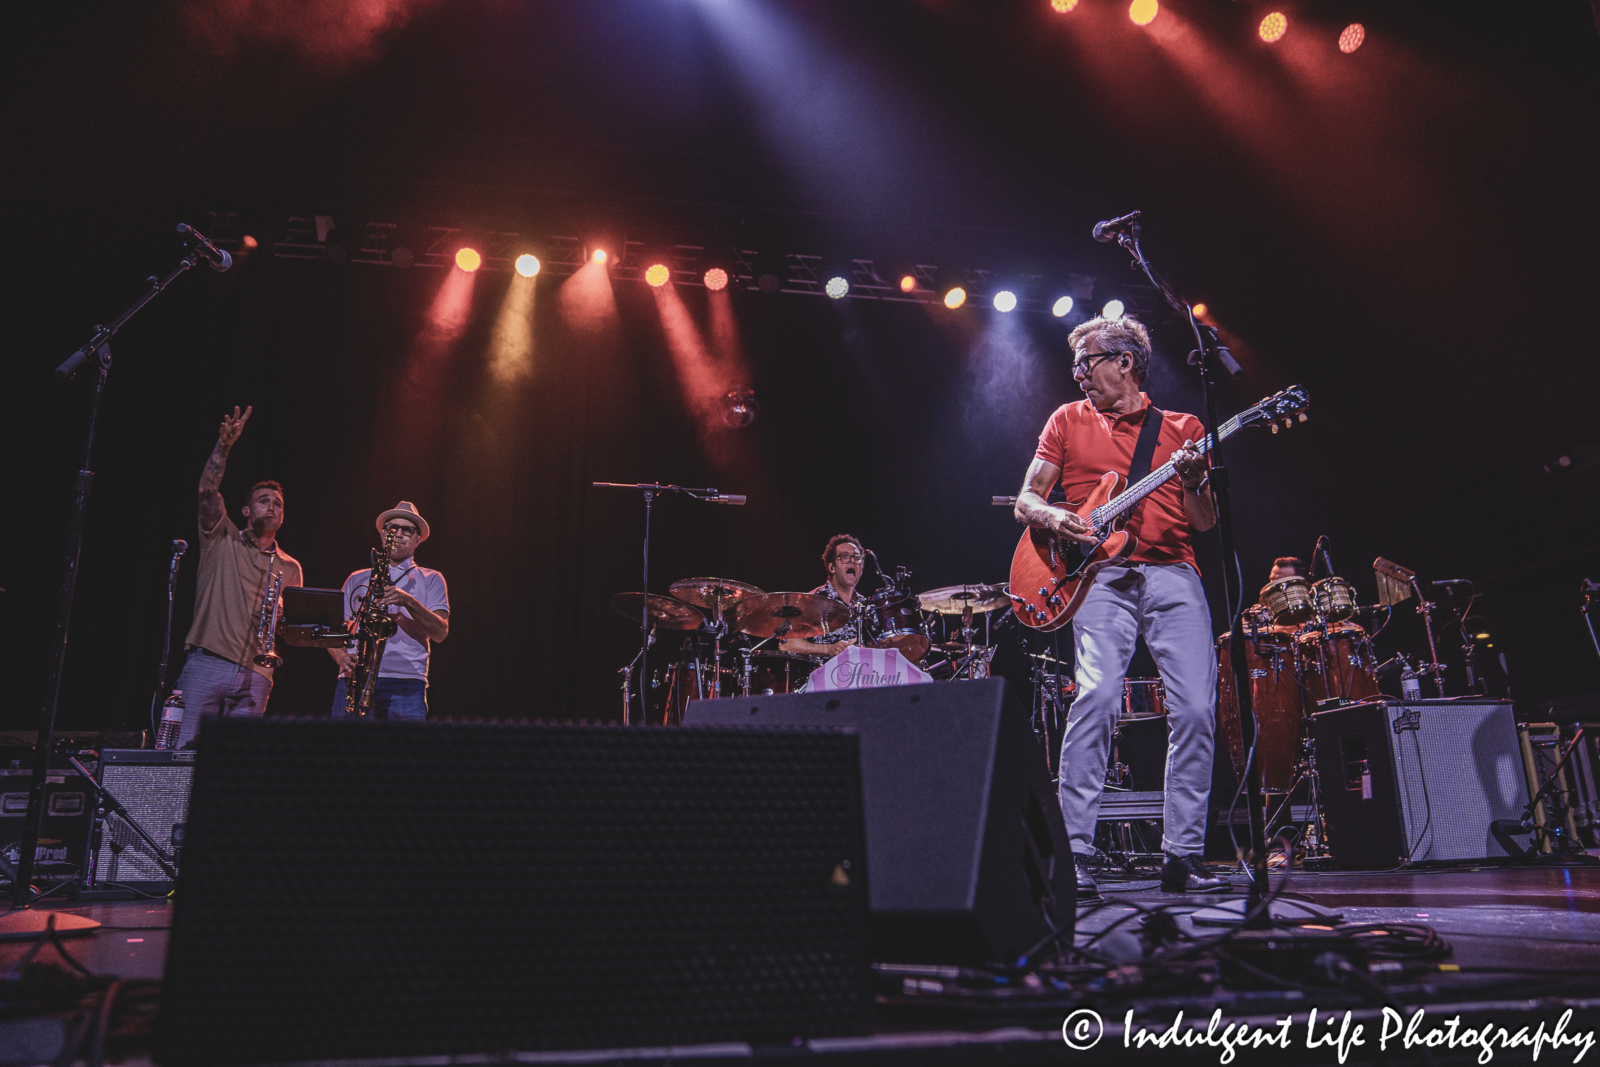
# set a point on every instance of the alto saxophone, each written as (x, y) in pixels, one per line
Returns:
(373, 628)
(267, 623)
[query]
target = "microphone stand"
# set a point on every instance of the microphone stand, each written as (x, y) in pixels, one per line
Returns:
(99, 347)
(1206, 356)
(166, 641)
(650, 490)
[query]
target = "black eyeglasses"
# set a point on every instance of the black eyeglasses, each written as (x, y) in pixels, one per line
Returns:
(410, 530)
(1084, 364)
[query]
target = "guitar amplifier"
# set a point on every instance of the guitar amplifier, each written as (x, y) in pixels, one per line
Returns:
(63, 849)
(1408, 782)
(154, 787)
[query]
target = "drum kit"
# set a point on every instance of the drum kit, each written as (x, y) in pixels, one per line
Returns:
(1304, 651)
(731, 631)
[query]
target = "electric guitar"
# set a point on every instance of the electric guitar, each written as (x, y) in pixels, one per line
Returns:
(1050, 574)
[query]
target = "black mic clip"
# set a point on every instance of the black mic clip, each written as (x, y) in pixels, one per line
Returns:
(219, 258)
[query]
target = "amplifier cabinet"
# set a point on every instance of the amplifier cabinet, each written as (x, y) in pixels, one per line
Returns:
(1413, 781)
(63, 849)
(154, 787)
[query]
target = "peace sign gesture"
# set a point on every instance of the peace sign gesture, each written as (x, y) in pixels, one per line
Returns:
(233, 426)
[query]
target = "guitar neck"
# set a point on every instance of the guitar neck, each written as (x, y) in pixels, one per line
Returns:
(1124, 503)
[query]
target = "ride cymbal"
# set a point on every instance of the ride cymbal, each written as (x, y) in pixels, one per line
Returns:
(955, 599)
(665, 612)
(721, 595)
(807, 615)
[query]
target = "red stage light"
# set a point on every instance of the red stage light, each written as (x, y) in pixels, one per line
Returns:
(599, 255)
(1273, 27)
(657, 275)
(716, 279)
(1062, 6)
(1352, 37)
(908, 284)
(468, 259)
(1143, 12)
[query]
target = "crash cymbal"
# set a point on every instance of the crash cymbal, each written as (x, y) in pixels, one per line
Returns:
(955, 599)
(718, 594)
(665, 612)
(807, 614)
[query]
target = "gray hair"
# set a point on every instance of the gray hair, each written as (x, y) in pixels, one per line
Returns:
(1126, 334)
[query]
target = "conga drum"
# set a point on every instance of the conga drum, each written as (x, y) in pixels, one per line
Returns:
(1275, 693)
(1338, 664)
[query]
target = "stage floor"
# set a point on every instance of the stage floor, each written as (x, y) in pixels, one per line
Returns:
(1526, 940)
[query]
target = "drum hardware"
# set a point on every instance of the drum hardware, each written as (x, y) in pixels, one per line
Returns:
(1053, 692)
(1397, 584)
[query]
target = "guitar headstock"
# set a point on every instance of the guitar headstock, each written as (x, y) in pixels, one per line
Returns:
(1285, 407)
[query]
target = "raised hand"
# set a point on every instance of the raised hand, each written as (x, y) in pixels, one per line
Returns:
(232, 426)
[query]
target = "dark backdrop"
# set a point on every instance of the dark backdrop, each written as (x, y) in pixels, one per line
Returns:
(1411, 238)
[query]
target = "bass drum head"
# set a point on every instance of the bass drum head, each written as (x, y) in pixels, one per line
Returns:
(780, 672)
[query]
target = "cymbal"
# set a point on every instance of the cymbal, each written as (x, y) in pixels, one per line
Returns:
(954, 599)
(665, 612)
(808, 615)
(719, 594)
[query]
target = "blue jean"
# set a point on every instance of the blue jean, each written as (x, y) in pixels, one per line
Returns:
(1166, 603)
(394, 698)
(214, 686)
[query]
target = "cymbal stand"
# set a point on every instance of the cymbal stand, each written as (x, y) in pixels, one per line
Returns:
(627, 680)
(1425, 606)
(1589, 588)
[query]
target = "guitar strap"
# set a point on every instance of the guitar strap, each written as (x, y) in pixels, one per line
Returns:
(1144, 449)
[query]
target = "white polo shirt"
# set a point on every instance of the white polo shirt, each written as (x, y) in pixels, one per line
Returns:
(403, 655)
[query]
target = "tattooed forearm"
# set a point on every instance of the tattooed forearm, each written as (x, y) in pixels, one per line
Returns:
(211, 506)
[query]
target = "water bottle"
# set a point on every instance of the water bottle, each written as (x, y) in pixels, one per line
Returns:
(1410, 684)
(171, 721)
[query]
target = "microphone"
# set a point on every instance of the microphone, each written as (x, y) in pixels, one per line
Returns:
(736, 499)
(1449, 582)
(1321, 549)
(179, 547)
(219, 259)
(1108, 230)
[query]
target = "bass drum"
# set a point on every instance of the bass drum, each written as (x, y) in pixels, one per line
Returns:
(780, 672)
(1275, 692)
(894, 620)
(1339, 664)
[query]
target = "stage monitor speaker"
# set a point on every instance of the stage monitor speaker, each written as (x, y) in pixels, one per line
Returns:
(360, 890)
(968, 859)
(154, 787)
(63, 849)
(1409, 782)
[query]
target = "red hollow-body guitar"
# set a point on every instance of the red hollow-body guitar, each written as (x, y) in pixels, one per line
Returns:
(1050, 575)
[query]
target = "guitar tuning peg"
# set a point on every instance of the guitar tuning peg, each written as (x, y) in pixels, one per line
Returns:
(1288, 424)
(1274, 426)
(1302, 417)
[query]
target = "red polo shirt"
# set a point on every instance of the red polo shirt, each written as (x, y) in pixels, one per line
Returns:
(1086, 443)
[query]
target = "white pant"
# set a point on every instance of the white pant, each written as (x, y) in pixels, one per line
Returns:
(1165, 603)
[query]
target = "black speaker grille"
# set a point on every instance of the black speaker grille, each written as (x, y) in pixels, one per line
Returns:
(358, 889)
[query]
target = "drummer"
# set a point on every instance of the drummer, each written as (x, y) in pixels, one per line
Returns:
(845, 562)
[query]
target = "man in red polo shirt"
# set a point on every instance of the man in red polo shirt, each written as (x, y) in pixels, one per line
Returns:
(1156, 593)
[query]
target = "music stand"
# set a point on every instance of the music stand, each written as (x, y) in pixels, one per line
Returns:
(313, 618)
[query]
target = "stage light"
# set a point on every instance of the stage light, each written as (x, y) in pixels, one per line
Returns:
(599, 256)
(527, 265)
(1351, 38)
(1143, 12)
(1112, 310)
(717, 280)
(1063, 6)
(1005, 300)
(955, 298)
(1273, 27)
(837, 287)
(657, 274)
(769, 283)
(468, 259)
(1062, 308)
(1200, 311)
(908, 284)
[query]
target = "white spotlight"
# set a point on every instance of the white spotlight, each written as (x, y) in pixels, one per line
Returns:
(1112, 310)
(837, 287)
(1005, 300)
(1062, 308)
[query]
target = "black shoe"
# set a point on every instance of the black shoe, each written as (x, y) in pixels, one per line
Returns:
(1087, 890)
(1185, 874)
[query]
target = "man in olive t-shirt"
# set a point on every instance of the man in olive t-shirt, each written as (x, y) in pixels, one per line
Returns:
(220, 675)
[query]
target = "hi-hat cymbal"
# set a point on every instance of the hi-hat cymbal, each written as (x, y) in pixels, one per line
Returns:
(807, 615)
(955, 599)
(665, 612)
(719, 594)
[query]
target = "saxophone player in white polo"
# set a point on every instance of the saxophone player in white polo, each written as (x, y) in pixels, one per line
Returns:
(419, 602)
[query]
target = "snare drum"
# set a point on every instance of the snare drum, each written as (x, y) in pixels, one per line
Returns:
(894, 620)
(1144, 698)
(1334, 599)
(780, 672)
(1275, 693)
(1288, 600)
